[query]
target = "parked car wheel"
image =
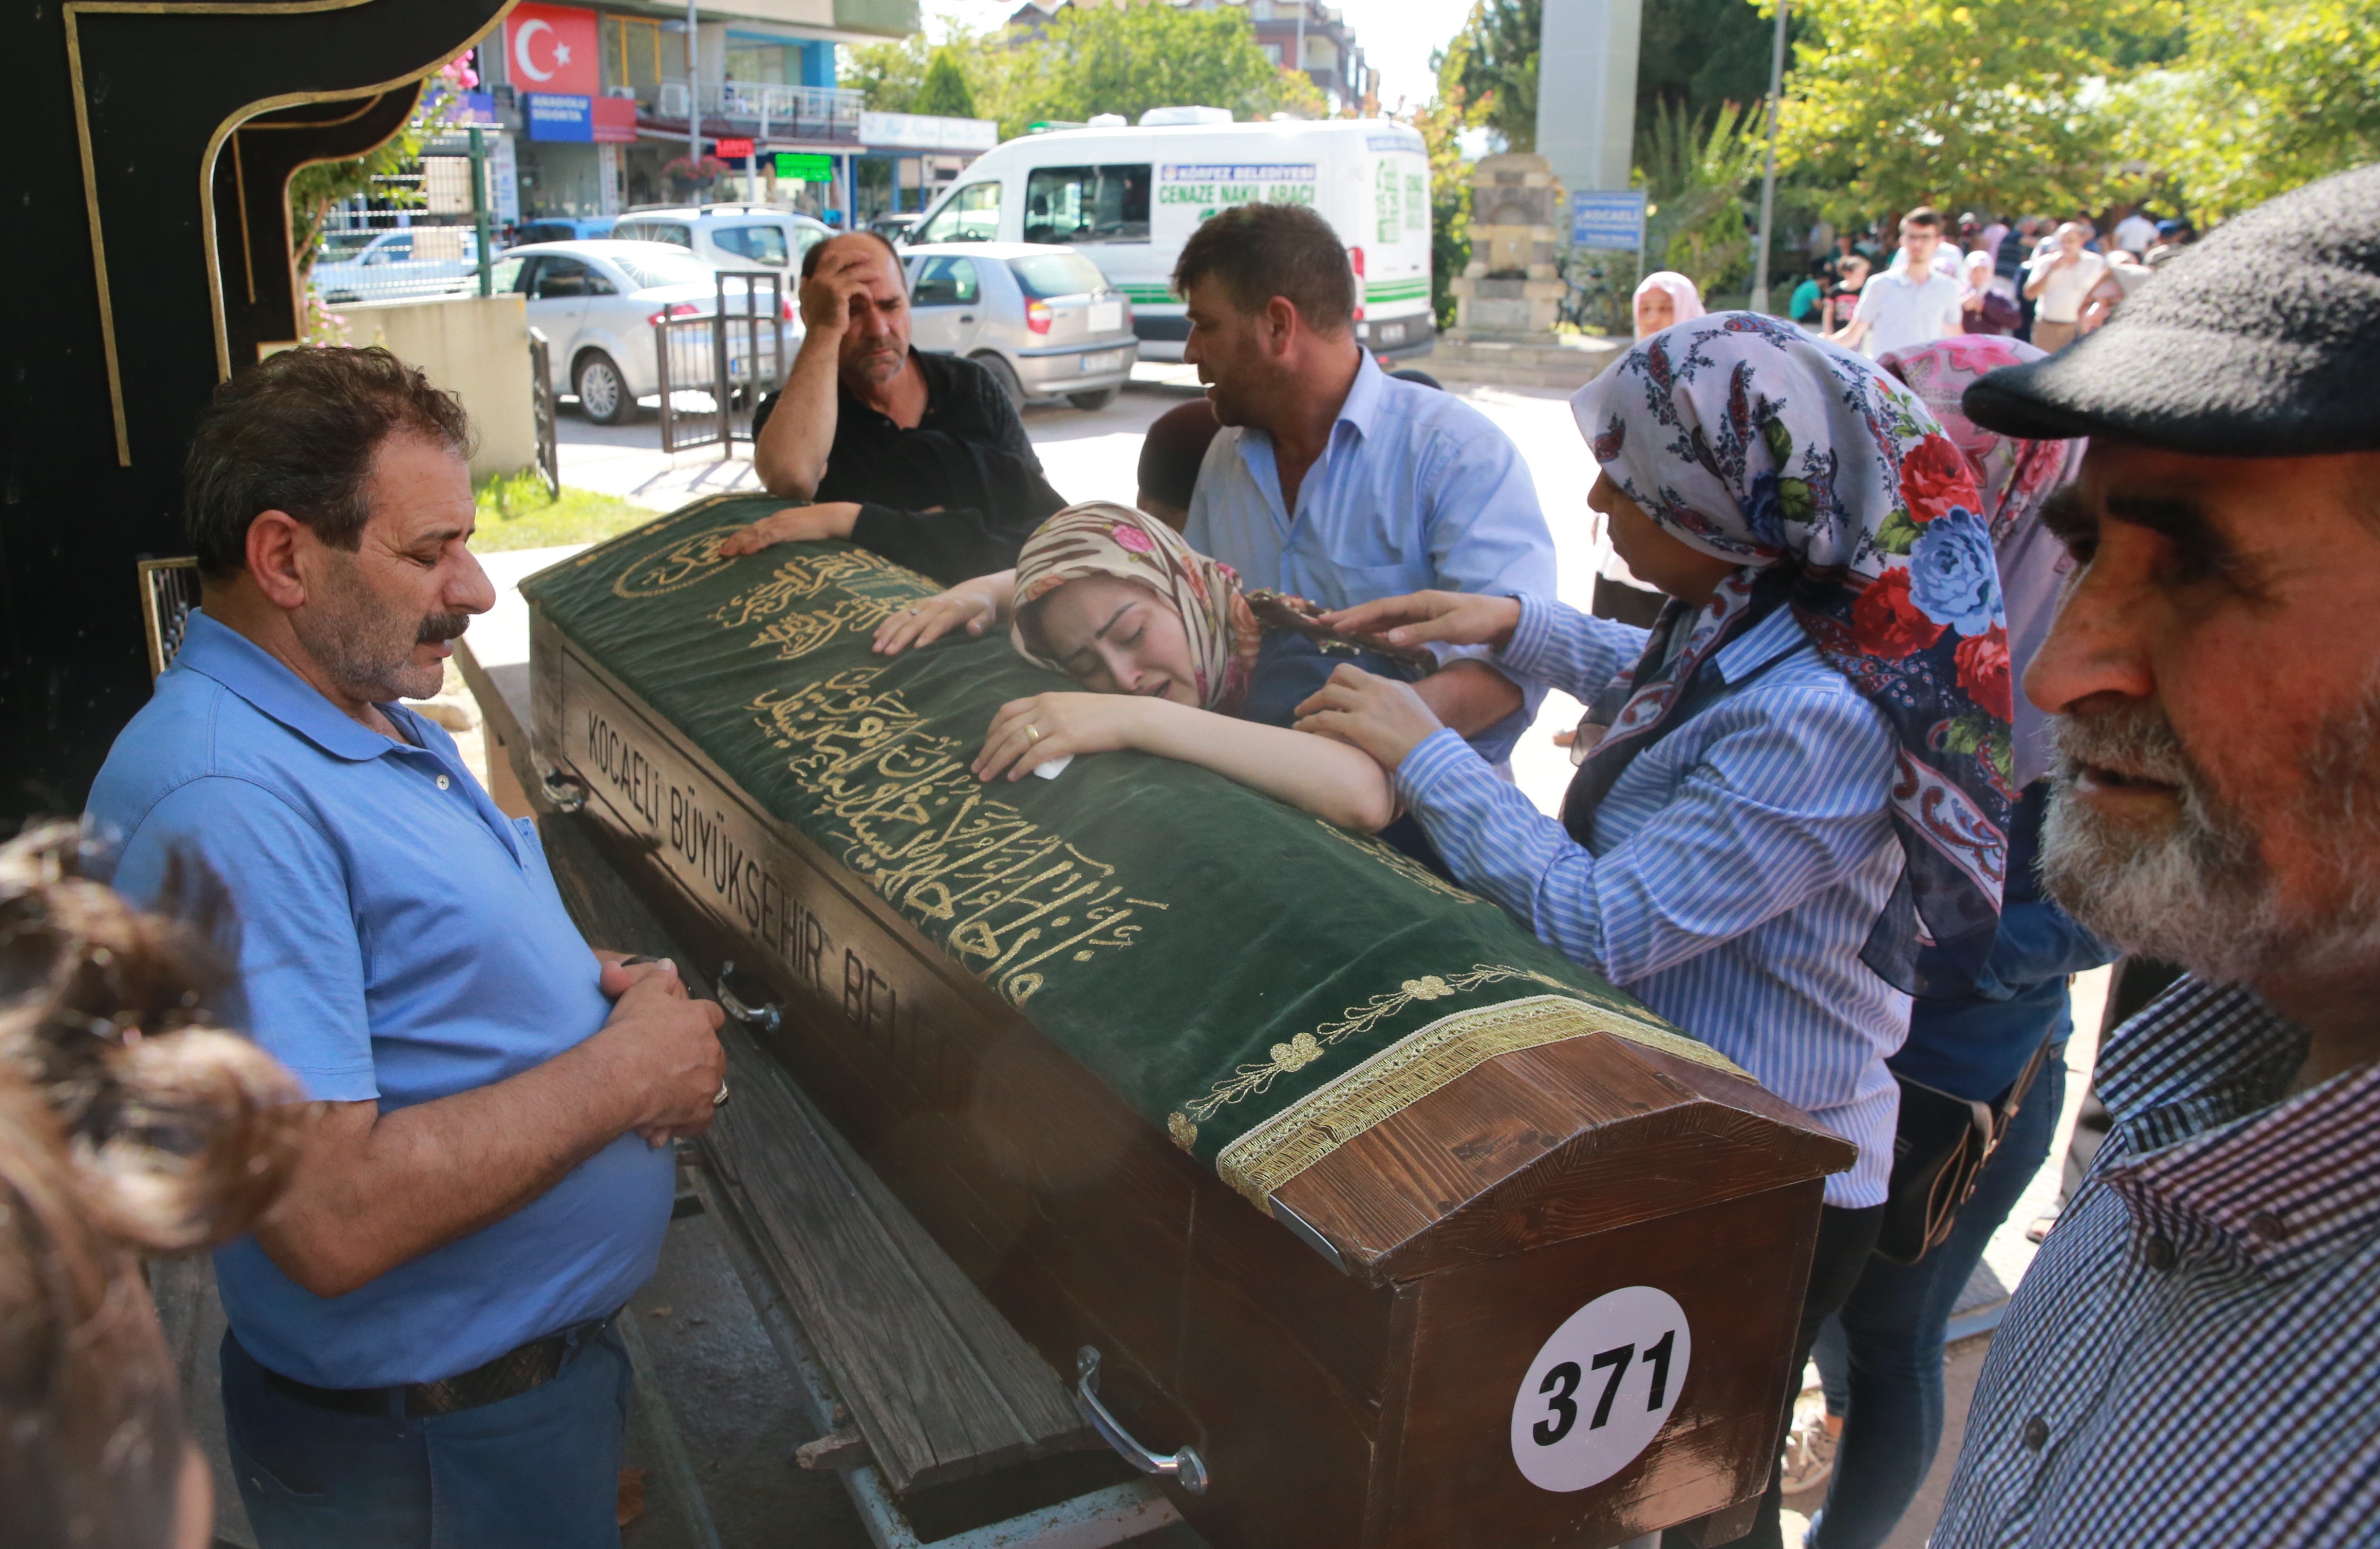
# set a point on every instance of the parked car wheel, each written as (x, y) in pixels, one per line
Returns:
(603, 395)
(1092, 402)
(1003, 373)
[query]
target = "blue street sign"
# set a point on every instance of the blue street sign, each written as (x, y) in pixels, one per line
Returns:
(1611, 221)
(559, 117)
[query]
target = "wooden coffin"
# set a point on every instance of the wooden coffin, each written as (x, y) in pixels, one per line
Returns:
(1419, 1235)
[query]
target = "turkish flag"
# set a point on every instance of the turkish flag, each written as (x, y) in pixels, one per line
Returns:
(552, 49)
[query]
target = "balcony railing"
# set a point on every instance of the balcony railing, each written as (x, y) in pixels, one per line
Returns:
(794, 111)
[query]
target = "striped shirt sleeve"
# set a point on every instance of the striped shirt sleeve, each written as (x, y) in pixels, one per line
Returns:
(1781, 806)
(1578, 653)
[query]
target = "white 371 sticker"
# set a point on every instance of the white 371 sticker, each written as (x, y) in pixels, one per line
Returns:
(1600, 1388)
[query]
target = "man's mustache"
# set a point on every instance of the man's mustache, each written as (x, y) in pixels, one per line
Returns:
(441, 627)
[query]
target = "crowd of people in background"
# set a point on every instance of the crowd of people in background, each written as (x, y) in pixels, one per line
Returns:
(2037, 278)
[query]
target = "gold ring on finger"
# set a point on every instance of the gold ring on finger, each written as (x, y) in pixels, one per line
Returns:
(1033, 733)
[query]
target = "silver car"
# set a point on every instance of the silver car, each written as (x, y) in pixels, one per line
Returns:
(1042, 318)
(596, 302)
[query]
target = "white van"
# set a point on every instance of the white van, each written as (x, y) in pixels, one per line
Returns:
(1128, 199)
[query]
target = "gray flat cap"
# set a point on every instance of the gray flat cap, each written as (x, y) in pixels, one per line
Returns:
(2261, 341)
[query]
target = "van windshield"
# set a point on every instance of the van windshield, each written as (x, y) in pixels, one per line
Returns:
(1047, 274)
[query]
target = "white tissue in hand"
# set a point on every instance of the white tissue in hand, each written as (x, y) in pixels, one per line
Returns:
(1054, 767)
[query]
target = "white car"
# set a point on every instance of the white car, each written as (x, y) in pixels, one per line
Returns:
(595, 302)
(731, 235)
(400, 265)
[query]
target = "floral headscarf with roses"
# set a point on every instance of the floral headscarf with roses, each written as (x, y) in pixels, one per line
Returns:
(2016, 477)
(1097, 538)
(1838, 493)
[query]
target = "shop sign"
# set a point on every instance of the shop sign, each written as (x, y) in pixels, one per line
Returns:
(615, 120)
(1611, 221)
(562, 118)
(918, 131)
(734, 150)
(804, 166)
(552, 49)
(504, 180)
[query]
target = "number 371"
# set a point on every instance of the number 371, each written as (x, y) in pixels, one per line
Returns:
(1560, 1388)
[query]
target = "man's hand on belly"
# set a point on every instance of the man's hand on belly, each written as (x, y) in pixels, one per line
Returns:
(379, 1190)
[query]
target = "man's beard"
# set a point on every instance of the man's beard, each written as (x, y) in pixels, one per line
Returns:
(2198, 893)
(365, 643)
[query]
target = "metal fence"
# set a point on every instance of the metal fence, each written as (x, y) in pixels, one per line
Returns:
(800, 113)
(548, 442)
(413, 236)
(716, 368)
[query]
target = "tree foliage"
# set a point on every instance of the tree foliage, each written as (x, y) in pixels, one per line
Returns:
(314, 189)
(1125, 58)
(1695, 169)
(1696, 55)
(2266, 97)
(1992, 103)
(1492, 63)
(944, 91)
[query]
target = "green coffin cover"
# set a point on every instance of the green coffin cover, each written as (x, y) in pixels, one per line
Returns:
(1262, 985)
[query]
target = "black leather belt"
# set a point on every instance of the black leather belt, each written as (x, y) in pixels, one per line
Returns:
(516, 1371)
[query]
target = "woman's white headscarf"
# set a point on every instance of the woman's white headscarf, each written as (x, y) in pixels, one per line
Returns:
(1684, 298)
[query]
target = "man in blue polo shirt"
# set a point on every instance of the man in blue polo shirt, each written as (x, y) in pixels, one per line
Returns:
(421, 1349)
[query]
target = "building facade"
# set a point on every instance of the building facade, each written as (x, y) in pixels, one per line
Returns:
(599, 111)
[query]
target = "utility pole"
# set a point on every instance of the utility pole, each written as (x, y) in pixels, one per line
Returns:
(693, 94)
(1299, 65)
(480, 207)
(1768, 178)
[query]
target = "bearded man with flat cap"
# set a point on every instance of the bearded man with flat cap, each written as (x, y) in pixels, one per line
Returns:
(2194, 1358)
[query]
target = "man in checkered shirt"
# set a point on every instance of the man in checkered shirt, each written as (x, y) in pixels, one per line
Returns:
(2195, 1356)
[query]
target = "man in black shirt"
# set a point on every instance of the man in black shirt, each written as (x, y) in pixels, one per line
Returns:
(920, 457)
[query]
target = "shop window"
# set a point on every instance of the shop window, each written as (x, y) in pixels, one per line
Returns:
(1088, 204)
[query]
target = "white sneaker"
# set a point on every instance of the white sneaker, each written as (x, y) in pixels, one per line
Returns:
(1809, 1457)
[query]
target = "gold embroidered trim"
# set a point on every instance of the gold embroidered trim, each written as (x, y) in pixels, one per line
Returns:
(1308, 1047)
(1263, 1161)
(1397, 861)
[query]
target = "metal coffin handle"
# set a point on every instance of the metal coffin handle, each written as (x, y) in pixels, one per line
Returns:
(765, 1018)
(566, 792)
(1185, 1468)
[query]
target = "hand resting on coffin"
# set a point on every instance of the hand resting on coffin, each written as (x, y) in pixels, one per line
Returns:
(973, 606)
(798, 523)
(1132, 650)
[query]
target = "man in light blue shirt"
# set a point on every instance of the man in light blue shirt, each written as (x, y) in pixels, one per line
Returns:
(1333, 480)
(420, 1349)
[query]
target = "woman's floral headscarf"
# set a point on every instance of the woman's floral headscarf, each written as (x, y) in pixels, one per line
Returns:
(1097, 538)
(2016, 477)
(1834, 487)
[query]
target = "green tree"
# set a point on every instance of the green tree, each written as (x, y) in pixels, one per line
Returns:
(944, 91)
(1698, 54)
(1450, 198)
(888, 77)
(1144, 54)
(1494, 61)
(1694, 171)
(2265, 98)
(1990, 103)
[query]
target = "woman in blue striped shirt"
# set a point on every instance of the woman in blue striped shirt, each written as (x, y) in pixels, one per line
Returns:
(1796, 817)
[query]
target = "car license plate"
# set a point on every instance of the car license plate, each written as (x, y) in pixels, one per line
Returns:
(1105, 316)
(1105, 360)
(1388, 333)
